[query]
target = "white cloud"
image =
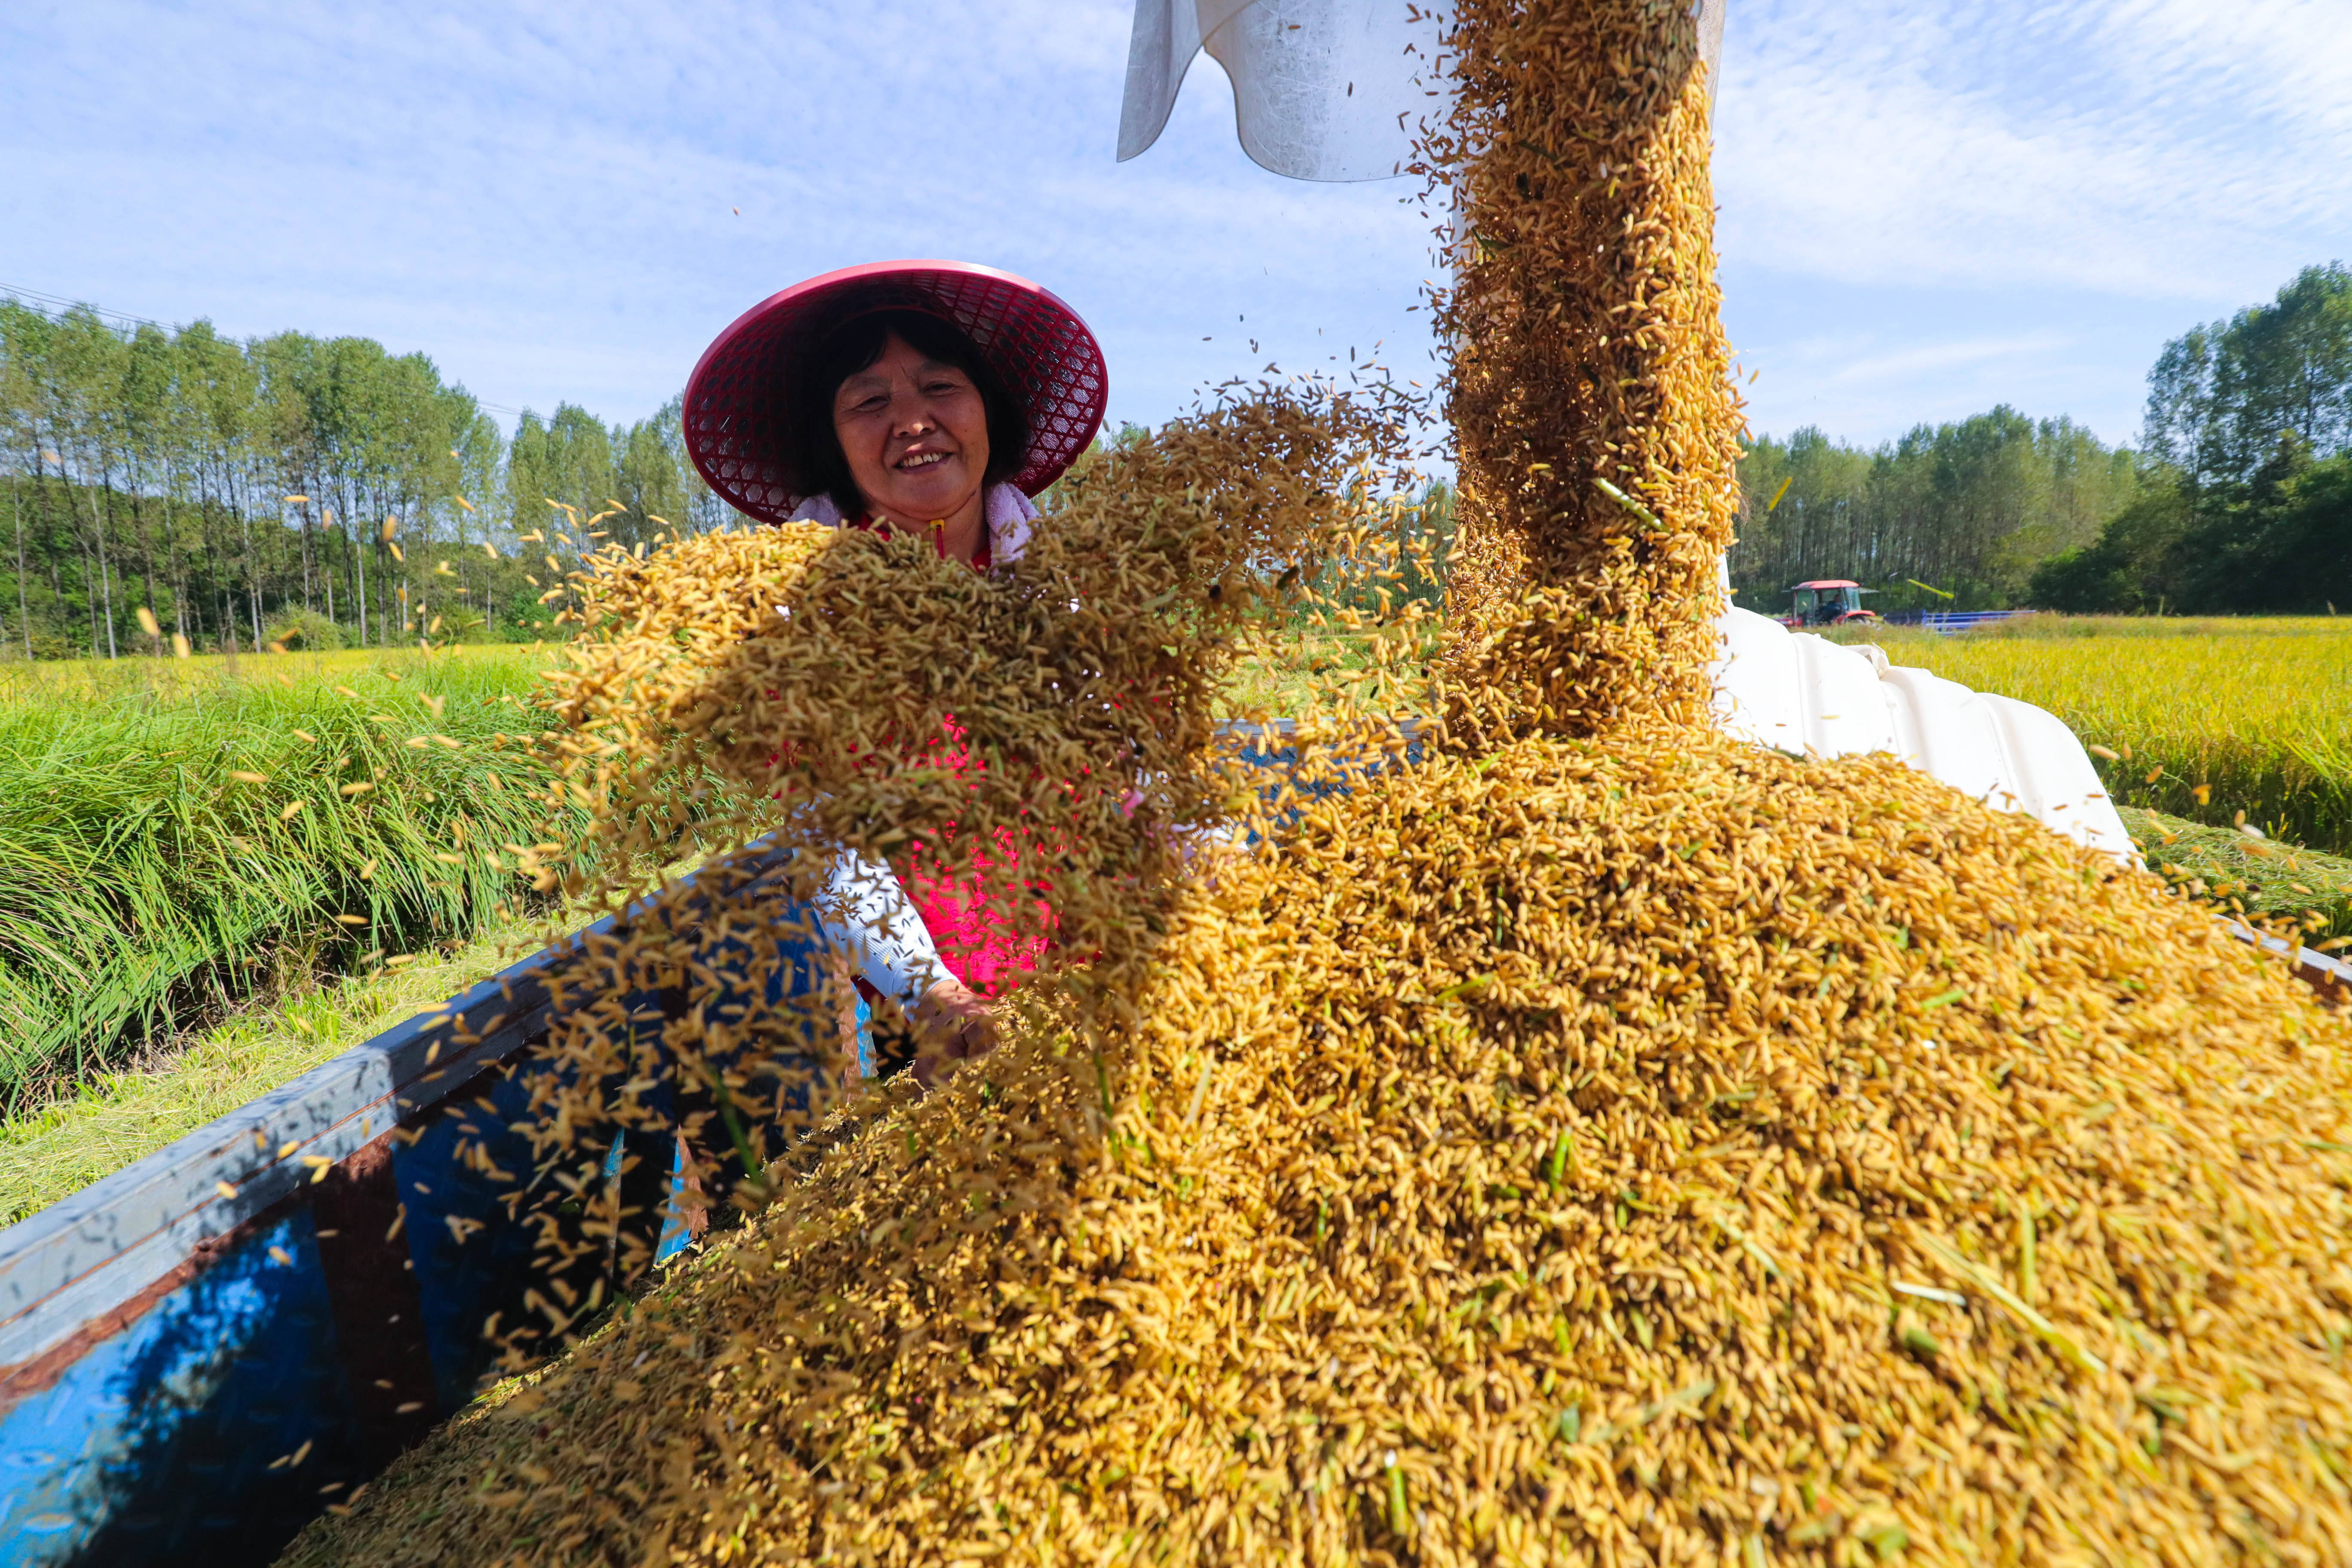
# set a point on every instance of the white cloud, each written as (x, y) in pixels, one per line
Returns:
(1842, 363)
(2156, 148)
(544, 196)
(1865, 383)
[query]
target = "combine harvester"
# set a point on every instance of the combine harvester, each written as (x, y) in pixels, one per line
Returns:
(204, 1349)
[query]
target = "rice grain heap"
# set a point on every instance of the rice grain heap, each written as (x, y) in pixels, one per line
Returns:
(1599, 1141)
(1615, 1152)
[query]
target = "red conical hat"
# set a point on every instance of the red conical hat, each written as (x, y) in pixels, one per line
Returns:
(736, 401)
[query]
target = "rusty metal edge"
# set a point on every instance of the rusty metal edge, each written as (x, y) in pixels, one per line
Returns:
(2330, 976)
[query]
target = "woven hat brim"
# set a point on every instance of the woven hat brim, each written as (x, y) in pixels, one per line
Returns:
(737, 421)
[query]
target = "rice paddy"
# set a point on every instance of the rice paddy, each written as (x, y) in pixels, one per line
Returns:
(117, 795)
(180, 833)
(2214, 720)
(2281, 886)
(1297, 677)
(122, 1111)
(120, 1115)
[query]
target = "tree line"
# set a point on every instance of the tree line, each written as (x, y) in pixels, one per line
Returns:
(2239, 498)
(294, 489)
(2248, 500)
(1953, 515)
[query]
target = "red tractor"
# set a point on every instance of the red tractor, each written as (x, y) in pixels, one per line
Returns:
(1827, 601)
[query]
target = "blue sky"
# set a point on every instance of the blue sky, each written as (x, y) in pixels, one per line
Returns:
(1927, 208)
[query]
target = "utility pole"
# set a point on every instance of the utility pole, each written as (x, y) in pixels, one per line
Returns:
(105, 581)
(24, 609)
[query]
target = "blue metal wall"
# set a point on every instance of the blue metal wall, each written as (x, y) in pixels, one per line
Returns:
(202, 1352)
(176, 1440)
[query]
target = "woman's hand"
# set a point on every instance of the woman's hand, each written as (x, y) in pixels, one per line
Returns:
(952, 1023)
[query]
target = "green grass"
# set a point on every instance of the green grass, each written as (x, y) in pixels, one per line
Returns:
(2208, 718)
(2243, 706)
(112, 1119)
(146, 880)
(118, 729)
(2268, 882)
(1303, 675)
(125, 770)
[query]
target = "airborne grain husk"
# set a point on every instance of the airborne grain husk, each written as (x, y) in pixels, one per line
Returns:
(1040, 736)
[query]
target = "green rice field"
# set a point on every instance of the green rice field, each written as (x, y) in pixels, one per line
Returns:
(188, 836)
(1312, 670)
(222, 876)
(181, 835)
(2206, 719)
(116, 1115)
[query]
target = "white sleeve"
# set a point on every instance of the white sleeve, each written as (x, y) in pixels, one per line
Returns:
(866, 911)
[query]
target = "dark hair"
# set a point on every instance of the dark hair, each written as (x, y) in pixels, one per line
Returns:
(854, 345)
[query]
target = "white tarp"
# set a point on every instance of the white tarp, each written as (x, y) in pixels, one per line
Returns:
(1803, 694)
(1323, 89)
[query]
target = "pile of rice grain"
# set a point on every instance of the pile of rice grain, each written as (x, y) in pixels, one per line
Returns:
(1626, 1152)
(1599, 1142)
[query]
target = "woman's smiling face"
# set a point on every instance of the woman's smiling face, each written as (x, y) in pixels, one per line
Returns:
(915, 432)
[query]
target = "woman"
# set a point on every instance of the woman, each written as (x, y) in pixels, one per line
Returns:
(924, 397)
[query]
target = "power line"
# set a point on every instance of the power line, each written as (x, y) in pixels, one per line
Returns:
(65, 304)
